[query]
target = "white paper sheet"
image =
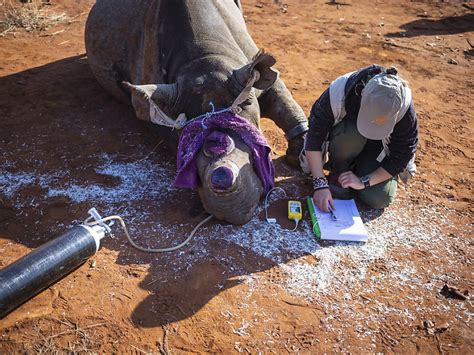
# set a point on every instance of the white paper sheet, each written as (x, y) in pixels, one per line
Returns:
(349, 225)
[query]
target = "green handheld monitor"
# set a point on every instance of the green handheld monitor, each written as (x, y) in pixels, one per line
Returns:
(314, 219)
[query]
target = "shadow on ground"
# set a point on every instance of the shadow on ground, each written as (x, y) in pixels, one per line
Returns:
(443, 26)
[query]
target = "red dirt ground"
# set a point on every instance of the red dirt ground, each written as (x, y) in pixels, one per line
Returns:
(66, 146)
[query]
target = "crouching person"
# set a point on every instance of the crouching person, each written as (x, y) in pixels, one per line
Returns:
(363, 129)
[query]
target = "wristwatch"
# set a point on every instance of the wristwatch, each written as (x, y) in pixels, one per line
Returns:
(365, 180)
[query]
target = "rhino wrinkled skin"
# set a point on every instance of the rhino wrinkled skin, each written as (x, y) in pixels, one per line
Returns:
(182, 55)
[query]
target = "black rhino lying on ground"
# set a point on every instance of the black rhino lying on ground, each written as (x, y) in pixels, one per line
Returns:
(175, 60)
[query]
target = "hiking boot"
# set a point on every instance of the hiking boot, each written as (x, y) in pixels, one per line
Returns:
(337, 191)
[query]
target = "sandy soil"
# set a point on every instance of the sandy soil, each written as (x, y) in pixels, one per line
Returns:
(66, 146)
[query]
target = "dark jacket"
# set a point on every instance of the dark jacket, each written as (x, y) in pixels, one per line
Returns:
(403, 140)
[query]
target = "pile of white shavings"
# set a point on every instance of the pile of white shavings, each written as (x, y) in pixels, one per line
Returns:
(338, 267)
(138, 180)
(331, 274)
(337, 270)
(12, 182)
(270, 240)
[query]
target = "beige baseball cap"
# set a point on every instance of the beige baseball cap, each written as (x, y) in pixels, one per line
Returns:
(382, 100)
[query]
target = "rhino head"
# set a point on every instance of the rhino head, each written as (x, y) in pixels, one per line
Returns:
(229, 187)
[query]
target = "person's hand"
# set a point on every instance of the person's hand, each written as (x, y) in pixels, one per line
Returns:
(349, 179)
(323, 199)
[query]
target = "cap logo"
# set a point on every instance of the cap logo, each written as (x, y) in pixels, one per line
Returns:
(380, 120)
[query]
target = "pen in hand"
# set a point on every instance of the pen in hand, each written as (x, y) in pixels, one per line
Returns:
(333, 215)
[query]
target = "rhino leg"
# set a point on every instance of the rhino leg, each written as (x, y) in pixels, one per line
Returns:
(278, 104)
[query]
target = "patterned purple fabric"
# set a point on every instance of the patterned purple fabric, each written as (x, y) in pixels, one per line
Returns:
(195, 133)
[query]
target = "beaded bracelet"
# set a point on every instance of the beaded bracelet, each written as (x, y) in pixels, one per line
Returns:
(320, 183)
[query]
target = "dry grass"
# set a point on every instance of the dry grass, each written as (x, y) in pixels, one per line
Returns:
(32, 16)
(65, 336)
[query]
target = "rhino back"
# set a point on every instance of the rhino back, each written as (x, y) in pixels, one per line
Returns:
(152, 41)
(194, 29)
(113, 37)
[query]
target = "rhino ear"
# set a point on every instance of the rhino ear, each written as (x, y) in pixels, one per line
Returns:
(262, 63)
(162, 94)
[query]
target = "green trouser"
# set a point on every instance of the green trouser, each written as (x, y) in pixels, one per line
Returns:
(349, 150)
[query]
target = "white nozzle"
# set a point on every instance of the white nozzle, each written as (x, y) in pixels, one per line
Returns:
(95, 214)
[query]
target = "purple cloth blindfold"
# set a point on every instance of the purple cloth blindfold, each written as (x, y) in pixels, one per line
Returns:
(194, 135)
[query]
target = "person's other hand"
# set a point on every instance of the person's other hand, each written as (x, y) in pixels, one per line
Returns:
(323, 199)
(349, 179)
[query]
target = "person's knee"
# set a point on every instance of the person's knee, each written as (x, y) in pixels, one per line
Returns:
(345, 142)
(379, 197)
(377, 201)
(343, 149)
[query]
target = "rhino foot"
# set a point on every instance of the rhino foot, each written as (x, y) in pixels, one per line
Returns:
(295, 146)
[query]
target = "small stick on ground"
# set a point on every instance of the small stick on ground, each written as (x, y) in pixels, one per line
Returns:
(5, 32)
(75, 330)
(148, 155)
(440, 348)
(184, 314)
(81, 14)
(393, 44)
(52, 34)
(163, 345)
(152, 282)
(140, 350)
